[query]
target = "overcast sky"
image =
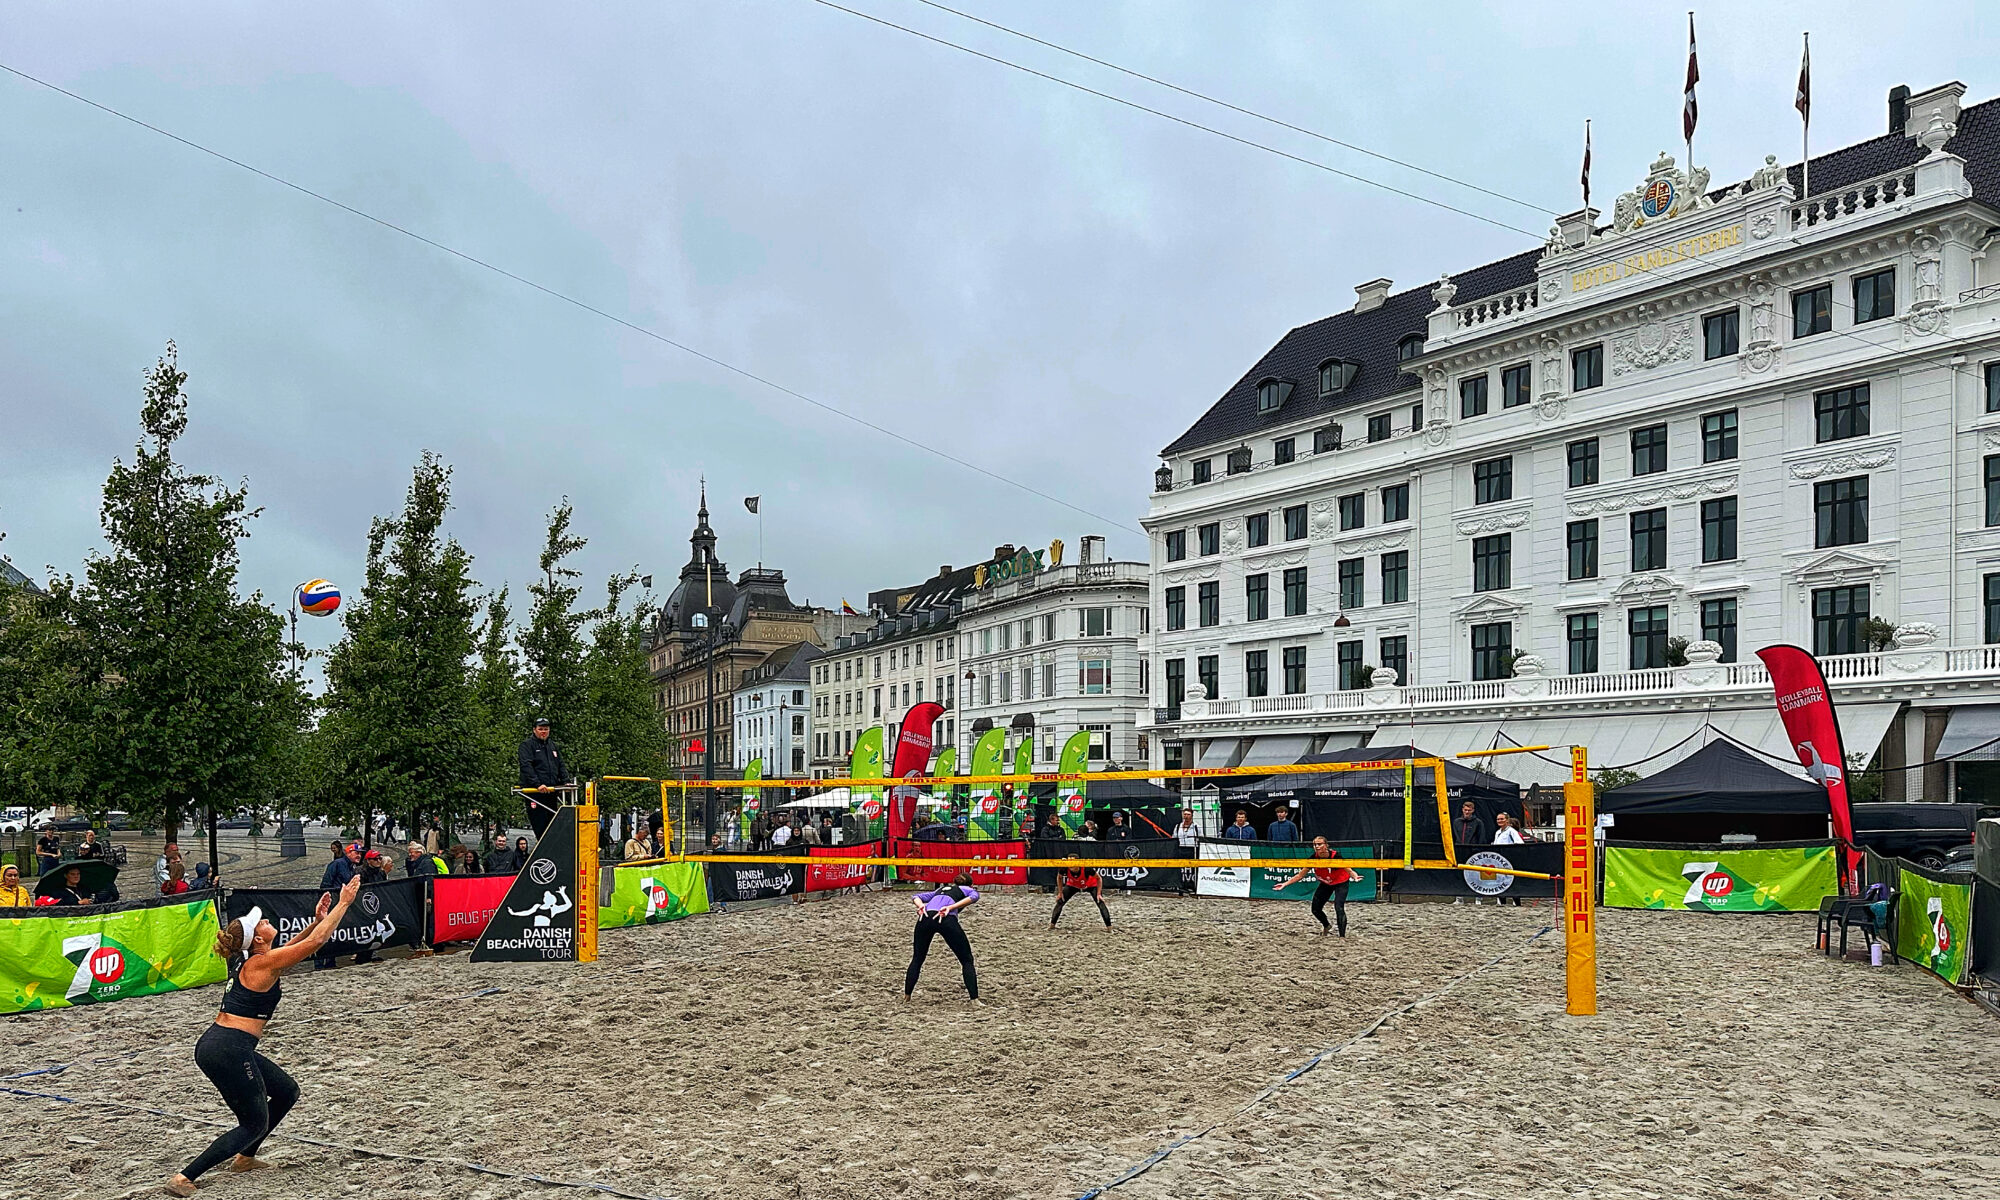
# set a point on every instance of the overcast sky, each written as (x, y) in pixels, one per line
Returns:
(1024, 276)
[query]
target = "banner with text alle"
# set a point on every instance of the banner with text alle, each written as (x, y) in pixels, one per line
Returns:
(95, 958)
(389, 913)
(649, 894)
(461, 905)
(1769, 877)
(1934, 921)
(954, 857)
(825, 876)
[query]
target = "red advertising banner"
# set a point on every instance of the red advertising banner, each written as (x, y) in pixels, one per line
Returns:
(1813, 728)
(462, 904)
(912, 757)
(954, 857)
(822, 876)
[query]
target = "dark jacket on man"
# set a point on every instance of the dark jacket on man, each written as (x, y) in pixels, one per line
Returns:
(420, 866)
(1470, 831)
(338, 872)
(501, 860)
(541, 763)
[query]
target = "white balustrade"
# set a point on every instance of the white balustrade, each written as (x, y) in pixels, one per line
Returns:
(1496, 308)
(1855, 198)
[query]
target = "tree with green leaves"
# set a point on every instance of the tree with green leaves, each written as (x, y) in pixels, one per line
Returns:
(552, 645)
(624, 735)
(497, 701)
(402, 733)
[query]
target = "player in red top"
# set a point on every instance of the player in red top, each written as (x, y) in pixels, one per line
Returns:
(1333, 882)
(1072, 880)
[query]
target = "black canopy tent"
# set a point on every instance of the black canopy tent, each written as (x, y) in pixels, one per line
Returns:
(1153, 810)
(1719, 789)
(1367, 806)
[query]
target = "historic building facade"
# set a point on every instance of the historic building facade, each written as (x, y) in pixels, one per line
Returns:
(774, 711)
(874, 676)
(1565, 496)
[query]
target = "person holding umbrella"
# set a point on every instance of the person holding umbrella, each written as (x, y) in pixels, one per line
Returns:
(75, 882)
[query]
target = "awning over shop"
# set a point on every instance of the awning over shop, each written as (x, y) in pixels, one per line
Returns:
(1973, 734)
(1346, 739)
(1221, 752)
(1277, 751)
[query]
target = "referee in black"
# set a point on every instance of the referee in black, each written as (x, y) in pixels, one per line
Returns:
(542, 774)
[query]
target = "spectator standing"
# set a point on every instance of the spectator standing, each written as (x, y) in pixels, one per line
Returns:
(417, 864)
(636, 848)
(12, 894)
(502, 859)
(1468, 829)
(91, 847)
(169, 857)
(827, 832)
(1281, 828)
(1505, 834)
(1242, 830)
(1185, 833)
(48, 851)
(522, 852)
(374, 869)
(176, 881)
(202, 879)
(542, 774)
(1119, 831)
(346, 865)
(781, 836)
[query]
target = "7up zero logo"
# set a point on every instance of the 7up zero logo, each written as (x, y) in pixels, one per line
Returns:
(1712, 887)
(98, 967)
(1941, 939)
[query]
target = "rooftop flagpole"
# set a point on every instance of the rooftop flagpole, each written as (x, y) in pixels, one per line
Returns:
(1803, 102)
(1688, 107)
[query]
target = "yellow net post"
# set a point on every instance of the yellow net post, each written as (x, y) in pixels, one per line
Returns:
(666, 822)
(1409, 810)
(1580, 887)
(1444, 812)
(586, 875)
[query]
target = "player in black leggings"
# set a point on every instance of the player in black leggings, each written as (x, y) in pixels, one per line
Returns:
(1332, 884)
(1079, 879)
(940, 911)
(256, 1089)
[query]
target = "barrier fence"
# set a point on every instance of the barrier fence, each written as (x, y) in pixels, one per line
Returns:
(1721, 877)
(1934, 924)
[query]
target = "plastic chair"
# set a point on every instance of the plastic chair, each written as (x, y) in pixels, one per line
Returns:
(1874, 915)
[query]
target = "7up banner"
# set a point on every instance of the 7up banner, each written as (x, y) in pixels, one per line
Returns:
(1933, 924)
(1719, 878)
(652, 894)
(866, 763)
(1070, 792)
(55, 962)
(753, 798)
(984, 823)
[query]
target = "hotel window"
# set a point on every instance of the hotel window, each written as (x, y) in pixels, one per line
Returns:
(1208, 538)
(1409, 347)
(1295, 522)
(1840, 512)
(1028, 682)
(1176, 687)
(1283, 451)
(1583, 644)
(1396, 577)
(1649, 450)
(1347, 672)
(1993, 387)
(1586, 368)
(1647, 628)
(1492, 650)
(1209, 597)
(1718, 625)
(1093, 622)
(1049, 628)
(1027, 634)
(1812, 311)
(1841, 413)
(1718, 334)
(1992, 598)
(1492, 562)
(1353, 511)
(1472, 396)
(1204, 470)
(1583, 462)
(1049, 678)
(1257, 529)
(1209, 668)
(1493, 480)
(986, 641)
(1093, 676)
(1378, 427)
(1177, 608)
(1395, 655)
(1875, 295)
(1295, 592)
(1257, 673)
(1993, 489)
(1649, 540)
(1840, 618)
(1007, 636)
(1581, 537)
(1176, 545)
(1718, 530)
(1718, 436)
(1256, 597)
(1416, 417)
(1516, 385)
(1396, 503)
(1349, 570)
(1238, 461)
(1326, 441)
(1295, 666)
(1335, 375)
(1007, 685)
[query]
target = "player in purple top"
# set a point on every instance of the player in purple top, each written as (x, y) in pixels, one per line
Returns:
(939, 918)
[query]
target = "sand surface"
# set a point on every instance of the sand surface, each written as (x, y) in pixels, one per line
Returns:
(768, 1054)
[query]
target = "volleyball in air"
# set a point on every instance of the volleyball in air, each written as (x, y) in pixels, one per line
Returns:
(318, 597)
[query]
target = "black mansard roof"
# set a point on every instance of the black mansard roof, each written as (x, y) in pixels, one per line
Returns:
(1370, 339)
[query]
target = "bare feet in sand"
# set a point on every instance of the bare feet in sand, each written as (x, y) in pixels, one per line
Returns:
(180, 1185)
(244, 1162)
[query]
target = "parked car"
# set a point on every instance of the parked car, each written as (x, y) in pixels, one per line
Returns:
(1960, 858)
(118, 818)
(14, 820)
(1922, 833)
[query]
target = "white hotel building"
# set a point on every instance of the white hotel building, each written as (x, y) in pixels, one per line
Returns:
(1736, 416)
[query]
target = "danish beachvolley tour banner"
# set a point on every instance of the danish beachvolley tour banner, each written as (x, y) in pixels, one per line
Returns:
(1933, 923)
(755, 881)
(1261, 883)
(1813, 728)
(536, 921)
(389, 913)
(650, 895)
(983, 823)
(56, 962)
(913, 754)
(461, 905)
(1075, 760)
(1545, 857)
(1789, 877)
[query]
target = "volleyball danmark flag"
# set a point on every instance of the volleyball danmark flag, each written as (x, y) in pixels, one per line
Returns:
(56, 962)
(1070, 794)
(984, 823)
(1813, 728)
(913, 754)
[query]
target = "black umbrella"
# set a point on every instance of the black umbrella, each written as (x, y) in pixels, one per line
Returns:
(96, 873)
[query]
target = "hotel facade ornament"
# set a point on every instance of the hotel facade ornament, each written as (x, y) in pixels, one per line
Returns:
(1769, 175)
(1652, 344)
(1666, 193)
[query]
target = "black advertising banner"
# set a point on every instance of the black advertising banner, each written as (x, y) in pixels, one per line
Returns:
(536, 922)
(390, 913)
(755, 881)
(1145, 879)
(1546, 857)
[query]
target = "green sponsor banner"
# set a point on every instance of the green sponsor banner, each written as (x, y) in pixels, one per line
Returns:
(1769, 879)
(1019, 799)
(983, 825)
(1934, 924)
(1264, 881)
(1070, 796)
(866, 763)
(947, 764)
(753, 798)
(55, 962)
(648, 895)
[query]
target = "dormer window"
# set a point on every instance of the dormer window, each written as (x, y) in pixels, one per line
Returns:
(1336, 374)
(1271, 394)
(1409, 347)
